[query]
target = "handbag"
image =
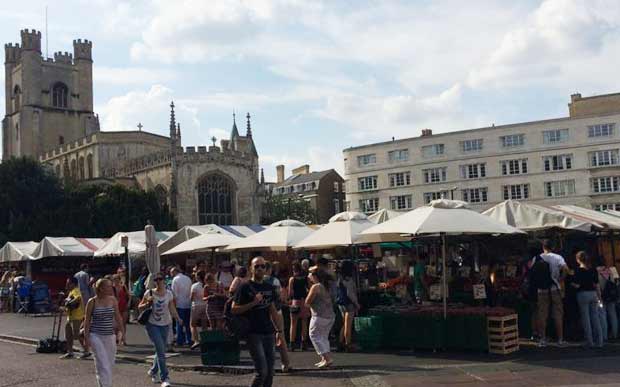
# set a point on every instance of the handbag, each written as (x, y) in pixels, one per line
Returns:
(143, 317)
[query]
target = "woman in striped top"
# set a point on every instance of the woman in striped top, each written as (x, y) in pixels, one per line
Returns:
(101, 315)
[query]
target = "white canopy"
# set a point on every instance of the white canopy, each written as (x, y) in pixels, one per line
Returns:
(17, 251)
(533, 217)
(612, 212)
(383, 215)
(136, 247)
(343, 229)
(600, 219)
(188, 232)
(440, 216)
(278, 237)
(67, 246)
(204, 242)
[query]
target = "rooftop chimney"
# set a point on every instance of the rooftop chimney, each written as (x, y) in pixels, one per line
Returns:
(280, 173)
(575, 97)
(303, 170)
(426, 132)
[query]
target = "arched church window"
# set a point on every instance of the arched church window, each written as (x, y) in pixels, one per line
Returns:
(61, 140)
(17, 132)
(74, 168)
(58, 170)
(162, 195)
(81, 167)
(60, 93)
(17, 94)
(216, 195)
(89, 162)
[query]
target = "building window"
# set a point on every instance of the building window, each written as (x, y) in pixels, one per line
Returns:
(513, 140)
(514, 167)
(468, 146)
(17, 93)
(82, 167)
(555, 136)
(398, 155)
(604, 158)
(607, 207)
(369, 205)
(475, 195)
(216, 195)
(516, 191)
(367, 183)
(60, 94)
(336, 206)
(432, 150)
(601, 130)
(365, 160)
(347, 206)
(558, 162)
(473, 171)
(336, 186)
(434, 175)
(605, 184)
(89, 165)
(559, 188)
(400, 179)
(403, 202)
(16, 132)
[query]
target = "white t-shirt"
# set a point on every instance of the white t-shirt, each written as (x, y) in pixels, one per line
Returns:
(160, 314)
(556, 263)
(182, 290)
(225, 278)
(198, 294)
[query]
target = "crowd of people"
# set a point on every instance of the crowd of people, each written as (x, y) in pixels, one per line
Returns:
(181, 304)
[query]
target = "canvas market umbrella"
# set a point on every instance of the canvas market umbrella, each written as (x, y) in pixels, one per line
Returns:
(205, 242)
(441, 217)
(137, 244)
(383, 215)
(532, 217)
(151, 253)
(17, 251)
(66, 246)
(279, 236)
(343, 229)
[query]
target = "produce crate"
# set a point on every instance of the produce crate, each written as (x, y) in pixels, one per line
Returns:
(503, 333)
(219, 349)
(368, 326)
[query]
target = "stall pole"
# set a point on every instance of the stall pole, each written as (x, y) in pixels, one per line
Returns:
(613, 247)
(128, 266)
(444, 278)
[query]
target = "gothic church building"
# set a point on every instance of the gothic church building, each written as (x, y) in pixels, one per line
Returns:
(49, 116)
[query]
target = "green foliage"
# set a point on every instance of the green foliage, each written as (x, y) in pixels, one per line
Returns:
(278, 208)
(33, 204)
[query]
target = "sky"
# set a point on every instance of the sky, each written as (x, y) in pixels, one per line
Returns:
(320, 76)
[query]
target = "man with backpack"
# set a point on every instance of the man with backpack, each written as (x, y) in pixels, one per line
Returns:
(548, 271)
(609, 298)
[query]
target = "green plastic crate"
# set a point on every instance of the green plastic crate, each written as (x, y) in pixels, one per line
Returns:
(368, 343)
(368, 325)
(221, 358)
(213, 337)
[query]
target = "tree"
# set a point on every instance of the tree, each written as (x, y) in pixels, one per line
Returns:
(278, 208)
(33, 204)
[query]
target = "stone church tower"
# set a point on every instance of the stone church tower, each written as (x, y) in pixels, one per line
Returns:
(49, 101)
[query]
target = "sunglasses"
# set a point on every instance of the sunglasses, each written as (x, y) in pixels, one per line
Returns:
(259, 266)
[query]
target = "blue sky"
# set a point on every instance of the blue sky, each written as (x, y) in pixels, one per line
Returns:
(320, 76)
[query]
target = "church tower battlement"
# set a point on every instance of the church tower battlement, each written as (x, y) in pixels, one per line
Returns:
(48, 101)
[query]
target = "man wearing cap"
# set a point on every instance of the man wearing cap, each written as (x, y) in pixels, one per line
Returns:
(255, 299)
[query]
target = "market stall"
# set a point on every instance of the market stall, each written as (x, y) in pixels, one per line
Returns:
(188, 232)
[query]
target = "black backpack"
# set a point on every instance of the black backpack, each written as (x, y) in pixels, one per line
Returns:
(540, 277)
(610, 291)
(235, 325)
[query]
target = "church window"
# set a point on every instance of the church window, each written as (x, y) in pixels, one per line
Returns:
(74, 168)
(60, 94)
(162, 195)
(89, 162)
(17, 132)
(82, 168)
(17, 93)
(58, 170)
(216, 193)
(61, 140)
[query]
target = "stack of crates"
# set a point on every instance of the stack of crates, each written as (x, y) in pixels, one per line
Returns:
(218, 349)
(369, 332)
(503, 333)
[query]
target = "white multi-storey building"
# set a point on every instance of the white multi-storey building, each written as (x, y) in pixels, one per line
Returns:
(570, 160)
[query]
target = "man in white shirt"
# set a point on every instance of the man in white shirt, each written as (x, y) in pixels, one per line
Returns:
(553, 296)
(182, 290)
(224, 275)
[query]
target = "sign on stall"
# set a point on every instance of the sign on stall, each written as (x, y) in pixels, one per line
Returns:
(435, 292)
(480, 292)
(511, 271)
